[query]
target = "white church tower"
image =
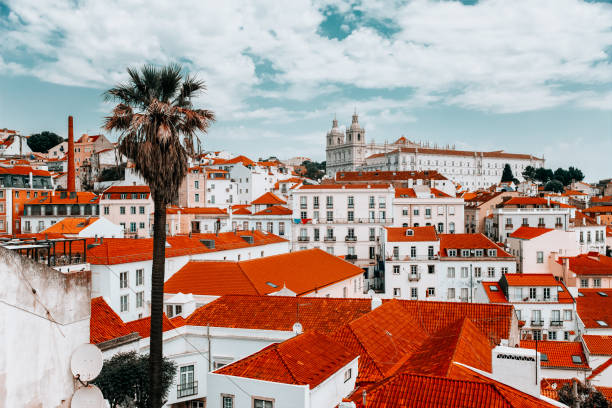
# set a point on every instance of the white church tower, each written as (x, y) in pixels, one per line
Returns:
(345, 151)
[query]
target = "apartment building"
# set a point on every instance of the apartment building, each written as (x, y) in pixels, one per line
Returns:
(544, 306)
(590, 233)
(39, 213)
(422, 264)
(591, 270)
(538, 249)
(515, 212)
(424, 206)
(207, 187)
(479, 206)
(268, 212)
(343, 219)
(405, 179)
(129, 206)
(195, 220)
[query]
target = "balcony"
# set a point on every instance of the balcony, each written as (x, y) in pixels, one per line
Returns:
(303, 206)
(329, 239)
(351, 257)
(509, 226)
(349, 205)
(541, 225)
(303, 239)
(372, 238)
(329, 206)
(186, 389)
(315, 206)
(537, 322)
(558, 225)
(350, 238)
(556, 322)
(413, 277)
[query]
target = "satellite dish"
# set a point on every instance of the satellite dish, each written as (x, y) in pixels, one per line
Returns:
(87, 397)
(86, 362)
(297, 328)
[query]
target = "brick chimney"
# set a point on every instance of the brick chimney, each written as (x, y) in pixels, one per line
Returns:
(70, 186)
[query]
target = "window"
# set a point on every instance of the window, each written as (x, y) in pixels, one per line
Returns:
(197, 198)
(106, 210)
(518, 314)
(566, 336)
(413, 252)
(440, 227)
(491, 252)
(141, 210)
(303, 202)
(416, 211)
(414, 293)
(479, 252)
(381, 202)
(372, 252)
(395, 252)
(316, 233)
(132, 210)
(577, 359)
(303, 215)
(567, 315)
(431, 268)
(431, 291)
(451, 252)
(258, 225)
(315, 202)
(281, 228)
(351, 201)
(330, 201)
(263, 403)
(351, 216)
(371, 202)
(596, 282)
(464, 271)
(348, 374)
(227, 401)
(139, 277)
(532, 293)
(132, 227)
(396, 269)
(122, 210)
(330, 216)
(397, 292)
(547, 294)
(477, 272)
(196, 184)
(504, 270)
(491, 272)
(139, 299)
(381, 215)
(430, 252)
(123, 280)
(464, 294)
(584, 283)
(186, 384)
(141, 225)
(270, 227)
(450, 272)
(124, 300)
(540, 257)
(451, 293)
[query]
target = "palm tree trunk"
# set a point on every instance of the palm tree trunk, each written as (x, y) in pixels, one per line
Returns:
(157, 303)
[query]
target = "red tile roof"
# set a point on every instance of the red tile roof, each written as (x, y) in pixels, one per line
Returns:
(602, 199)
(125, 250)
(238, 159)
(606, 392)
(533, 201)
(302, 272)
(399, 234)
(274, 210)
(241, 211)
(469, 241)
(593, 307)
(598, 209)
(307, 359)
(104, 323)
(377, 186)
(494, 292)
(24, 170)
(410, 193)
(598, 344)
(279, 312)
(268, 199)
(531, 279)
(559, 353)
(589, 264)
(143, 326)
(70, 225)
(549, 387)
(388, 175)
(529, 232)
(197, 210)
(127, 189)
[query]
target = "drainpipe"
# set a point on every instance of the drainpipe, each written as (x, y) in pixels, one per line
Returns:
(209, 353)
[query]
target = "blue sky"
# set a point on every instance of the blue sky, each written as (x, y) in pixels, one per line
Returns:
(523, 76)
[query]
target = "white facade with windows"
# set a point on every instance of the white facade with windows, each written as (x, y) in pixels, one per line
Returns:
(507, 220)
(428, 208)
(131, 210)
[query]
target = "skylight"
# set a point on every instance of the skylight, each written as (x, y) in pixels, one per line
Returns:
(603, 294)
(576, 359)
(272, 284)
(602, 323)
(543, 357)
(493, 288)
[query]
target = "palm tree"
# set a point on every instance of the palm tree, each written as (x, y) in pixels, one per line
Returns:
(157, 125)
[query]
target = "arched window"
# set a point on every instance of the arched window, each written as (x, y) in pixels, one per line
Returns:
(451, 227)
(404, 225)
(358, 136)
(440, 227)
(338, 140)
(350, 138)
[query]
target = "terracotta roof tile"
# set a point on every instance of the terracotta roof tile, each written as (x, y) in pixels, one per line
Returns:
(377, 186)
(593, 308)
(589, 264)
(469, 241)
(388, 175)
(529, 232)
(549, 387)
(143, 326)
(559, 353)
(411, 234)
(268, 199)
(410, 193)
(598, 209)
(600, 369)
(127, 189)
(279, 312)
(274, 210)
(82, 197)
(197, 210)
(104, 323)
(70, 225)
(598, 344)
(606, 392)
(307, 359)
(24, 170)
(494, 292)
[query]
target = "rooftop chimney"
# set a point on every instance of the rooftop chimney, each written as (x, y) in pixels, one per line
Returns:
(70, 186)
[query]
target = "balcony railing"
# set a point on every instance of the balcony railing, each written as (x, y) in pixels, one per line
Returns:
(303, 239)
(537, 322)
(303, 206)
(350, 257)
(509, 226)
(541, 225)
(329, 239)
(414, 276)
(372, 238)
(556, 322)
(350, 238)
(186, 389)
(558, 225)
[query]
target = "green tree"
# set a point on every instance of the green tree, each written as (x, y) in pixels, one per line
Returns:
(562, 175)
(124, 379)
(543, 175)
(507, 174)
(529, 173)
(585, 396)
(554, 185)
(158, 130)
(575, 174)
(314, 170)
(43, 141)
(112, 173)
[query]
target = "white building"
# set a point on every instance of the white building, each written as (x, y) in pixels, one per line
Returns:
(538, 249)
(598, 349)
(515, 212)
(348, 151)
(267, 212)
(121, 268)
(561, 359)
(424, 206)
(343, 219)
(45, 318)
(421, 264)
(92, 227)
(130, 207)
(544, 305)
(49, 208)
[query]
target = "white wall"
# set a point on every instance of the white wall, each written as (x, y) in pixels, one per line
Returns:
(35, 362)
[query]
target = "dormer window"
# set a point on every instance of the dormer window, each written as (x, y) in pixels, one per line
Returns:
(465, 253)
(479, 252)
(492, 252)
(452, 252)
(409, 232)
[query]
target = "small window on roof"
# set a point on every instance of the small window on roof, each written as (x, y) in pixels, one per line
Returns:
(576, 359)
(409, 232)
(580, 294)
(602, 323)
(493, 288)
(603, 294)
(272, 284)
(543, 357)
